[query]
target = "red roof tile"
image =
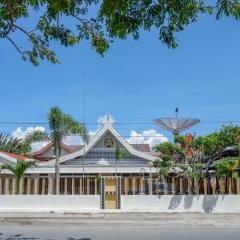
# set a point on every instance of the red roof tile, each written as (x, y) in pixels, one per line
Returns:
(49, 145)
(16, 156)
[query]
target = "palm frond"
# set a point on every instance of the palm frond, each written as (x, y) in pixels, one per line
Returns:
(8, 166)
(75, 127)
(13, 145)
(36, 136)
(19, 168)
(62, 125)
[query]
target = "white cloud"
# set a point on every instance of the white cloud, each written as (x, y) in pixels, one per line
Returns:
(21, 134)
(151, 136)
(77, 140)
(69, 140)
(73, 140)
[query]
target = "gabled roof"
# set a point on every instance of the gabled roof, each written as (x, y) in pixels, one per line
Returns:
(143, 147)
(14, 157)
(49, 145)
(106, 127)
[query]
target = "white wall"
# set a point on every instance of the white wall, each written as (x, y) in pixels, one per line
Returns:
(46, 203)
(131, 203)
(182, 203)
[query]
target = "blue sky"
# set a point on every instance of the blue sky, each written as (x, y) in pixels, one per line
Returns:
(136, 81)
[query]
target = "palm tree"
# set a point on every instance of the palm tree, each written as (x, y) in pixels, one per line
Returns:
(61, 125)
(14, 145)
(19, 168)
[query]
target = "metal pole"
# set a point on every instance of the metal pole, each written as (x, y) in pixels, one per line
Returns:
(84, 134)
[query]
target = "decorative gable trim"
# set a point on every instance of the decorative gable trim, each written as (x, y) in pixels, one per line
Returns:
(107, 127)
(49, 145)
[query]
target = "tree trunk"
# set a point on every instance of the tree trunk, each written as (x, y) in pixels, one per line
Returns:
(57, 174)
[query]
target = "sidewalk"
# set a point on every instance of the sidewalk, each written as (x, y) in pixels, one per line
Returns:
(166, 219)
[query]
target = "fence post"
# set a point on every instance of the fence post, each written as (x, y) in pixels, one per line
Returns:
(173, 185)
(88, 186)
(1, 191)
(126, 185)
(229, 185)
(205, 186)
(189, 179)
(43, 185)
(73, 185)
(65, 186)
(238, 185)
(196, 185)
(134, 185)
(21, 182)
(165, 185)
(28, 185)
(141, 185)
(80, 186)
(95, 186)
(14, 185)
(36, 181)
(181, 185)
(214, 184)
(157, 185)
(6, 187)
(222, 183)
(150, 186)
(50, 184)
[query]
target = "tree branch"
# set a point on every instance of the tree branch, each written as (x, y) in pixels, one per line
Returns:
(11, 17)
(14, 44)
(23, 30)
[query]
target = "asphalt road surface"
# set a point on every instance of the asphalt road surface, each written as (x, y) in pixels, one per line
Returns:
(180, 227)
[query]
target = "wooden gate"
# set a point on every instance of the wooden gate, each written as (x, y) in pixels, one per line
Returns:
(110, 192)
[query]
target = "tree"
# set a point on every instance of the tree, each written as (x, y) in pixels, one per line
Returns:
(14, 145)
(61, 125)
(226, 167)
(19, 168)
(170, 152)
(120, 154)
(70, 21)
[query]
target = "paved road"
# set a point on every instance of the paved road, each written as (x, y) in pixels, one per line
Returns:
(166, 227)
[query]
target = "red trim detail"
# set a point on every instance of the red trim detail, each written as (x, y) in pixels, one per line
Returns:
(49, 145)
(16, 156)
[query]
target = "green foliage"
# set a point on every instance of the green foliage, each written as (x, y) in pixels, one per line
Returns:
(170, 151)
(179, 139)
(14, 145)
(217, 141)
(166, 148)
(69, 22)
(163, 165)
(164, 171)
(157, 163)
(183, 167)
(61, 125)
(120, 153)
(19, 168)
(198, 166)
(197, 169)
(225, 167)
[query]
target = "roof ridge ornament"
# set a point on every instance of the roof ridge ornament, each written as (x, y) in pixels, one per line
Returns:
(106, 119)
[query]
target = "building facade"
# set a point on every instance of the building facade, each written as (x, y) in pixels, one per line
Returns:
(82, 166)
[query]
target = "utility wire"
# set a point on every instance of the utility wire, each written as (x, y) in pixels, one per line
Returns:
(116, 123)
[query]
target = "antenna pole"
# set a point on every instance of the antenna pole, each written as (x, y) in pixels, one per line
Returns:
(176, 112)
(84, 133)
